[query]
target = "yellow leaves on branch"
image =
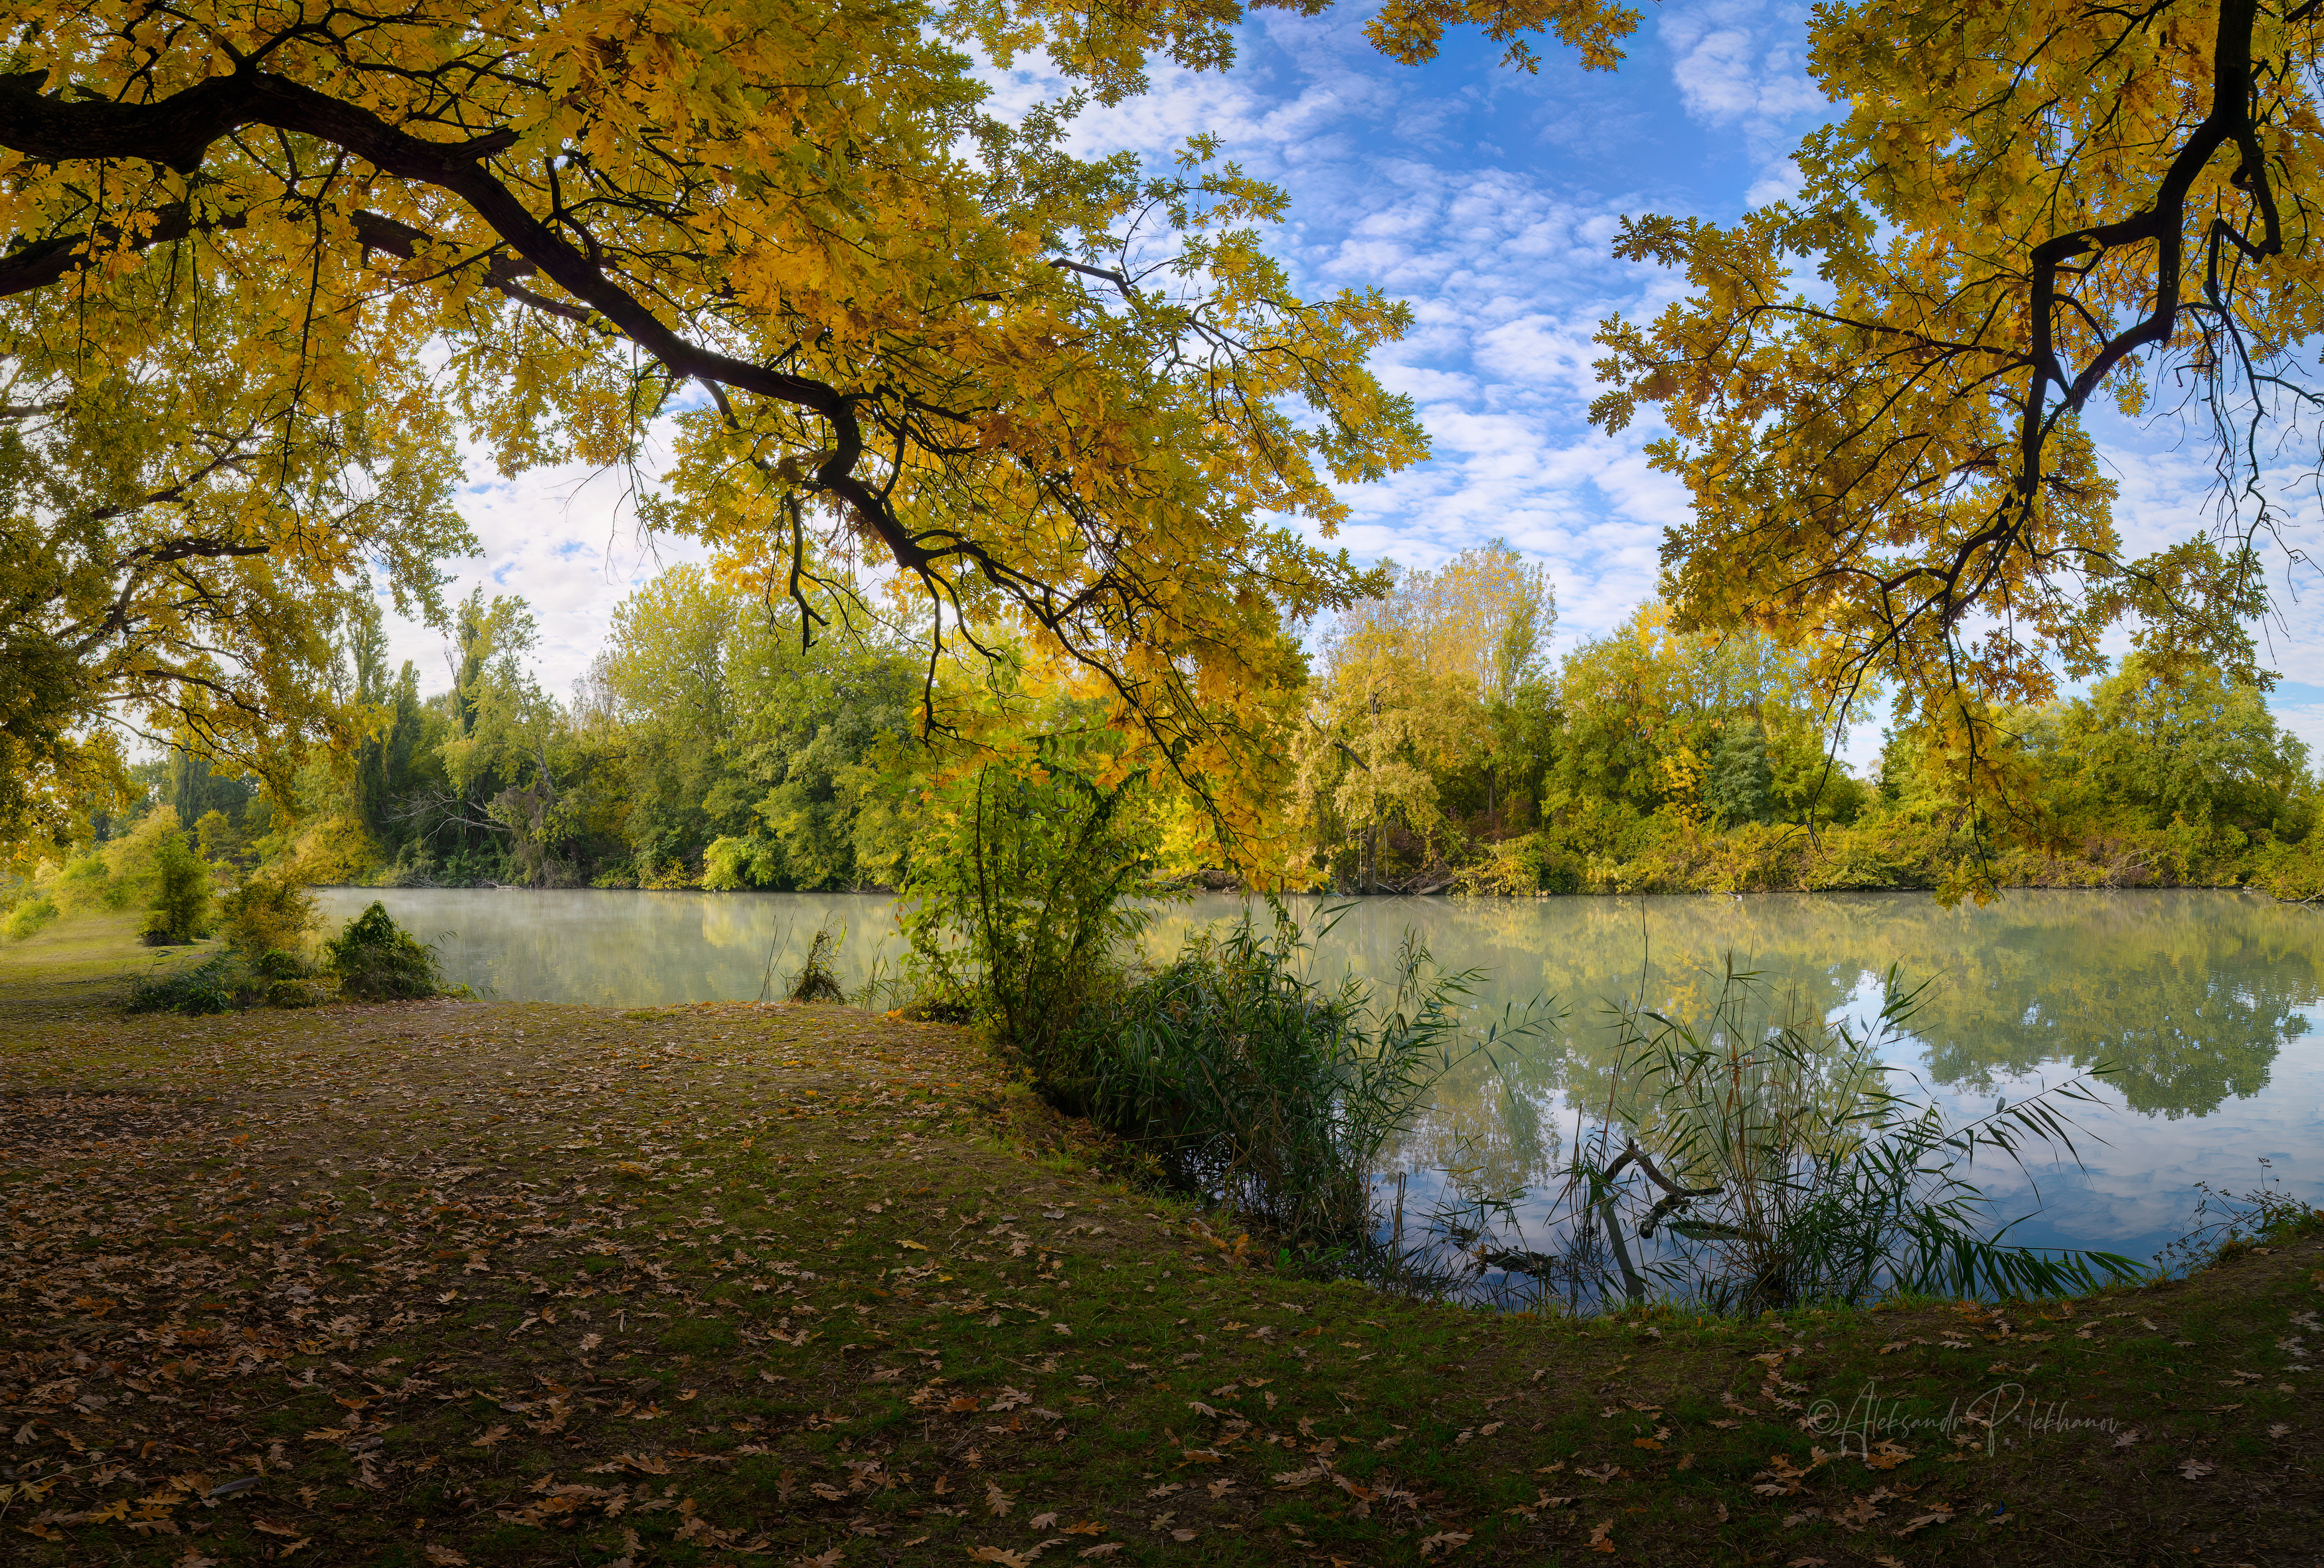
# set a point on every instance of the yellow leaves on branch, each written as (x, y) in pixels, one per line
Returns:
(2018, 210)
(905, 342)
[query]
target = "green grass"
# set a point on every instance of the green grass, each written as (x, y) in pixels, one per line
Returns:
(516, 1284)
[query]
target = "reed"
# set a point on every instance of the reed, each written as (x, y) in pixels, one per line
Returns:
(1264, 1090)
(1759, 1157)
(818, 979)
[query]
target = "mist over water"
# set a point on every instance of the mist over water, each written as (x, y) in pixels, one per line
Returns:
(2205, 1001)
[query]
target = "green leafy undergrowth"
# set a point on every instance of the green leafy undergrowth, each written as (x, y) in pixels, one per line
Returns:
(443, 1283)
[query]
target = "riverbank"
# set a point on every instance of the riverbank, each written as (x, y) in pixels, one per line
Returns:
(486, 1283)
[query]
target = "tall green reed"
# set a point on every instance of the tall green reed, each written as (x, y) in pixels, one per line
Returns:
(1258, 1085)
(1758, 1159)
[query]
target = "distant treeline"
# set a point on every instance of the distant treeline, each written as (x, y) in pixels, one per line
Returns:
(1435, 748)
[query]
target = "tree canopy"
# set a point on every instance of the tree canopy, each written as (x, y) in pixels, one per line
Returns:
(1056, 395)
(925, 360)
(2025, 215)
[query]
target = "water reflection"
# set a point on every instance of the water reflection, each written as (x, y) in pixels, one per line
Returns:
(2203, 1000)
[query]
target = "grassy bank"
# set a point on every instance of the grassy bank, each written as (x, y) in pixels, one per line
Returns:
(447, 1282)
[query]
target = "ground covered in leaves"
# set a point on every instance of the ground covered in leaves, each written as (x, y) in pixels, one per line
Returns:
(454, 1282)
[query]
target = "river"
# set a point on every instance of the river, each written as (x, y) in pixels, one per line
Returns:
(2203, 1003)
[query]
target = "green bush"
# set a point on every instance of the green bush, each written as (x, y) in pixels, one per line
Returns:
(1019, 909)
(28, 918)
(180, 911)
(208, 987)
(1253, 1084)
(377, 960)
(229, 983)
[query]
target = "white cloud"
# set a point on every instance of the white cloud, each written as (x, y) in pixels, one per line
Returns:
(1738, 63)
(564, 538)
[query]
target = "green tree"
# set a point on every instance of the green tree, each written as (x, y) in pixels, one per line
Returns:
(1740, 781)
(2157, 742)
(181, 909)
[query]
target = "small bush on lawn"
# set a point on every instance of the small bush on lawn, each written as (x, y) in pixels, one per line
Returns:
(208, 987)
(376, 960)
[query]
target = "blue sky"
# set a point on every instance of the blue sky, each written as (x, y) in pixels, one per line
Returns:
(1488, 199)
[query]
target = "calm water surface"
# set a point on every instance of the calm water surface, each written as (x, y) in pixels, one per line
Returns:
(2203, 1000)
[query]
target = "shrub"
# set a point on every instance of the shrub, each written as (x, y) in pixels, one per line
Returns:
(1511, 868)
(181, 909)
(29, 917)
(229, 982)
(1019, 909)
(1252, 1083)
(378, 961)
(267, 912)
(730, 863)
(207, 988)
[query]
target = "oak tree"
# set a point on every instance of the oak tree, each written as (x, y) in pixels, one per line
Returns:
(2030, 222)
(1056, 394)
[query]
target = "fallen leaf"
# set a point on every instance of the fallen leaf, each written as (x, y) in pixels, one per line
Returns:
(2195, 1469)
(1444, 1540)
(1103, 1549)
(996, 1501)
(446, 1558)
(1601, 1538)
(1940, 1517)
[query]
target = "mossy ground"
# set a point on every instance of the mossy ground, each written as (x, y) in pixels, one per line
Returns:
(435, 1283)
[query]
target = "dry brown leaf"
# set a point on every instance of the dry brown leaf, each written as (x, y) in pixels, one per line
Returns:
(1938, 1516)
